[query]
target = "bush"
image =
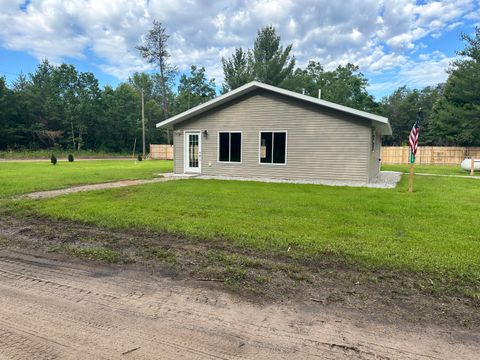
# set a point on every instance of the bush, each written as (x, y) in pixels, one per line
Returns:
(53, 159)
(140, 158)
(70, 158)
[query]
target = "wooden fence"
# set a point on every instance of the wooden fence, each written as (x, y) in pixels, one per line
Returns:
(429, 155)
(161, 152)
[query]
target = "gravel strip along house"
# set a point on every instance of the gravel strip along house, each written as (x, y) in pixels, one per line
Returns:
(262, 131)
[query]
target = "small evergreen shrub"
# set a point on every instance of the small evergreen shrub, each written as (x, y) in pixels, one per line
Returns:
(70, 158)
(53, 159)
(140, 158)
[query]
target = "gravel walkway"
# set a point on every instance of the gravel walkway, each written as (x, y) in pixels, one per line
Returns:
(385, 180)
(109, 185)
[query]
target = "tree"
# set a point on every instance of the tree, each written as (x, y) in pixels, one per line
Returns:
(456, 118)
(8, 126)
(401, 108)
(47, 114)
(236, 70)
(89, 109)
(194, 90)
(267, 62)
(153, 115)
(270, 62)
(154, 49)
(345, 85)
(121, 118)
(143, 81)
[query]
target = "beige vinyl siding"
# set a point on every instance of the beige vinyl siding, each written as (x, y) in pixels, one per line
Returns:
(322, 144)
(178, 150)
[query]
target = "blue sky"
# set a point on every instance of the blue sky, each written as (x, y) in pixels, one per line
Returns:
(395, 42)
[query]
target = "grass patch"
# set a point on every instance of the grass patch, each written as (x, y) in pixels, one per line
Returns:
(166, 256)
(3, 241)
(430, 169)
(429, 231)
(24, 177)
(474, 295)
(90, 253)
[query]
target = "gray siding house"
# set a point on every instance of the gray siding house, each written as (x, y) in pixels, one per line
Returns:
(262, 131)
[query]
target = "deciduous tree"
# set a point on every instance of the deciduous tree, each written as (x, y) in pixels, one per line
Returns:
(194, 89)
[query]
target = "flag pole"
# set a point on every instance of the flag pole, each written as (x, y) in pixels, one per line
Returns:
(410, 178)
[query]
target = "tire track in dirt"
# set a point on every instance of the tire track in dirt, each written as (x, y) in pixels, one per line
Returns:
(104, 313)
(14, 345)
(152, 311)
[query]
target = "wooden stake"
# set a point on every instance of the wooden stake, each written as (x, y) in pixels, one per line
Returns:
(410, 179)
(472, 166)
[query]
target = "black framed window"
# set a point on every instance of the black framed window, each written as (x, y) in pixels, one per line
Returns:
(273, 147)
(230, 146)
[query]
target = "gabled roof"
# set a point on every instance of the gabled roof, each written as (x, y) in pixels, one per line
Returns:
(378, 121)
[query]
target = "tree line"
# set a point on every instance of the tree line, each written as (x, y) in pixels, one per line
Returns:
(58, 106)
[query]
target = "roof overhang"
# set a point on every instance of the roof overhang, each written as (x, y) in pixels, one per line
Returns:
(379, 122)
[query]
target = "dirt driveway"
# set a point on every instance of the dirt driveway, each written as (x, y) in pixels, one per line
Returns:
(51, 308)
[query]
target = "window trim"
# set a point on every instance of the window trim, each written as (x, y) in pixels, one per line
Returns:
(229, 149)
(260, 147)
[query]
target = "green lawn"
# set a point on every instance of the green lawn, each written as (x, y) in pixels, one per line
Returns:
(23, 177)
(430, 169)
(433, 230)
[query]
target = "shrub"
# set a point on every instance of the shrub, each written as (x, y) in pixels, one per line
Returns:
(70, 158)
(140, 158)
(53, 159)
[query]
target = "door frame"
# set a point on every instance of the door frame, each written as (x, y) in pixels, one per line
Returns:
(186, 168)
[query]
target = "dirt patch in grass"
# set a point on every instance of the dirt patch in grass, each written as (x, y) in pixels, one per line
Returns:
(384, 295)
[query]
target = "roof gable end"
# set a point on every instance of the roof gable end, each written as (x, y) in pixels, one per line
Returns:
(380, 122)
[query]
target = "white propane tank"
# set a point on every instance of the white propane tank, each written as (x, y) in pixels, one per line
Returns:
(468, 162)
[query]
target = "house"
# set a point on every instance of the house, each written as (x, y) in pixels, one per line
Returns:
(262, 131)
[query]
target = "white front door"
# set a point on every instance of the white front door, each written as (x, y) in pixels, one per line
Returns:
(193, 152)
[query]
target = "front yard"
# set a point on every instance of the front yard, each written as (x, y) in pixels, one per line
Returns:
(387, 252)
(433, 231)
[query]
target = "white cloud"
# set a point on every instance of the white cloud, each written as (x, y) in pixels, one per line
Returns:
(429, 70)
(378, 35)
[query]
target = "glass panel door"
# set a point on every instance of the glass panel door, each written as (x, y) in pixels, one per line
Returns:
(193, 152)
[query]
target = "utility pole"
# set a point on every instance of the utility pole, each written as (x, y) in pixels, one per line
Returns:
(143, 127)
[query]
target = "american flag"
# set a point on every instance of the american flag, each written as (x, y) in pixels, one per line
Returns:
(413, 141)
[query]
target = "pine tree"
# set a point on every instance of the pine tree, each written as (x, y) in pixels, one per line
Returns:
(456, 118)
(270, 62)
